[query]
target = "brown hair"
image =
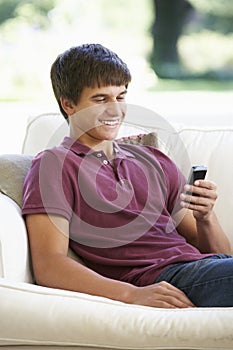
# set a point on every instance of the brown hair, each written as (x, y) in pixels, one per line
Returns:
(83, 66)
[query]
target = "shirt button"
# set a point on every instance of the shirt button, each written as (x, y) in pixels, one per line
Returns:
(105, 161)
(99, 155)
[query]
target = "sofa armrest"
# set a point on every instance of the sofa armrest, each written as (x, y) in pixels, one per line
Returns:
(14, 249)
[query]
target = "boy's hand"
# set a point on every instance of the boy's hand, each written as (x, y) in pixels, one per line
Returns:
(161, 295)
(203, 201)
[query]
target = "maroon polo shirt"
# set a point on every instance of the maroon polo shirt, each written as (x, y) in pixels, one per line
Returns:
(120, 214)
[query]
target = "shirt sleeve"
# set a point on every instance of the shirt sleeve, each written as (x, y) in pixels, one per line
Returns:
(46, 188)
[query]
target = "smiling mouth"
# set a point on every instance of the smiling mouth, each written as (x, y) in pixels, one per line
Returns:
(114, 122)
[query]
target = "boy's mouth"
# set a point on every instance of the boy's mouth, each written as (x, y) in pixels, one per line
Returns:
(110, 122)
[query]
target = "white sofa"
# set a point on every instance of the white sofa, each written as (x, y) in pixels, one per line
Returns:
(34, 317)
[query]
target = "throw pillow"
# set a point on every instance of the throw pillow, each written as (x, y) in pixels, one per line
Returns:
(13, 169)
(141, 139)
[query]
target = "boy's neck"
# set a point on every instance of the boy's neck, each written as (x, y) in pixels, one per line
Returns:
(105, 146)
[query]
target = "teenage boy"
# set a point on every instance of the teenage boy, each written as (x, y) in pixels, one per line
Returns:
(124, 209)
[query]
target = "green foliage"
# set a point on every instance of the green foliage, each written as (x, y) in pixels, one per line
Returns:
(198, 43)
(207, 51)
(7, 9)
(220, 8)
(192, 85)
(215, 15)
(34, 32)
(34, 12)
(207, 47)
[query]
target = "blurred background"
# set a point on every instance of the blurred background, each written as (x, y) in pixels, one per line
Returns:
(180, 53)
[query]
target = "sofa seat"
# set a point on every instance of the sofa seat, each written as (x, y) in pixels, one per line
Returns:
(45, 316)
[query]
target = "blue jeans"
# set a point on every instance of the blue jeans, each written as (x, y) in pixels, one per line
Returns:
(207, 282)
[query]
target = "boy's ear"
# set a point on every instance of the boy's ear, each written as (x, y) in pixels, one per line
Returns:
(67, 105)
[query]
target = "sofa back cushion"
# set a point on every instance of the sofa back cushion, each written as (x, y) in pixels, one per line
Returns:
(213, 147)
(14, 249)
(44, 131)
(48, 130)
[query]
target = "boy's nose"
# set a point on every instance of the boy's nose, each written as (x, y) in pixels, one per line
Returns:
(115, 108)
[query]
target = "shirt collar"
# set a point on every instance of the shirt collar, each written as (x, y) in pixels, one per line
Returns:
(83, 150)
(121, 152)
(76, 147)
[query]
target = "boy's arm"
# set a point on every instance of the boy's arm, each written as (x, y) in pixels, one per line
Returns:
(199, 225)
(49, 239)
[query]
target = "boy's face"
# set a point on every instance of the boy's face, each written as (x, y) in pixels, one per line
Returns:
(99, 113)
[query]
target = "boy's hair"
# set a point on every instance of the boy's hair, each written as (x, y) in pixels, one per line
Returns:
(83, 66)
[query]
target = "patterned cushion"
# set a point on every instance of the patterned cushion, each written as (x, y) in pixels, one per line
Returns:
(141, 139)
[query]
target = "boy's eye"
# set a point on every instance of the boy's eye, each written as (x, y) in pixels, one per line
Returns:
(121, 98)
(100, 99)
(105, 99)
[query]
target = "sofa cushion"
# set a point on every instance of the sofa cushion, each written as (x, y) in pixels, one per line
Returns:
(13, 169)
(44, 131)
(212, 147)
(54, 128)
(14, 249)
(149, 139)
(14, 253)
(34, 317)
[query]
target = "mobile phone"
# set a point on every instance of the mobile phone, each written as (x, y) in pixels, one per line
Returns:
(198, 172)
